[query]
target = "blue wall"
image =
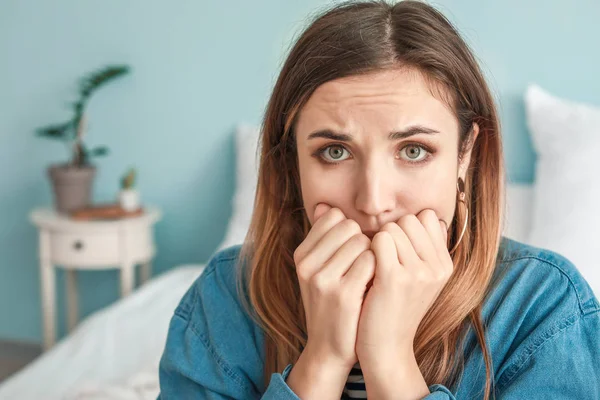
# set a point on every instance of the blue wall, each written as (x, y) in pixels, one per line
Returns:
(199, 68)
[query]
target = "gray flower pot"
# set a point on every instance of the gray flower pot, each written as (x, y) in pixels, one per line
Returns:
(72, 186)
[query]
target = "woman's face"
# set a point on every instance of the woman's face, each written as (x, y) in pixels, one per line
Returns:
(379, 147)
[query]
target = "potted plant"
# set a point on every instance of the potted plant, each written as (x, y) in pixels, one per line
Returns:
(72, 181)
(129, 197)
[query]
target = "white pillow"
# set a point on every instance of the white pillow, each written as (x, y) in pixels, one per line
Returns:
(247, 158)
(566, 218)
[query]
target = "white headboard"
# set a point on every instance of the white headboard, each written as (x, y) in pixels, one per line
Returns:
(519, 200)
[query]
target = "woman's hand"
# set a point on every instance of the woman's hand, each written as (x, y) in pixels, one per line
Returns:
(412, 266)
(334, 265)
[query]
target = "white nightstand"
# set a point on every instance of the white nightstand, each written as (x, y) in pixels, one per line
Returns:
(78, 245)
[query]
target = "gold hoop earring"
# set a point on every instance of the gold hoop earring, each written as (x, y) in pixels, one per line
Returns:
(460, 188)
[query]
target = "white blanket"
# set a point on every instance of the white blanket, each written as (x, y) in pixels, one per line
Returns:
(143, 385)
(112, 354)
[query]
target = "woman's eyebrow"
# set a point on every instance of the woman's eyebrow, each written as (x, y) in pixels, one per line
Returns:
(343, 137)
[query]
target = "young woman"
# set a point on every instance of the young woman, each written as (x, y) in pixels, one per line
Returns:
(374, 264)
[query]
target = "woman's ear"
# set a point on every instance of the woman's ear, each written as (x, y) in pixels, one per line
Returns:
(466, 158)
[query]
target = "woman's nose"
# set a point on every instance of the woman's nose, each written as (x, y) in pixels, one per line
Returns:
(375, 190)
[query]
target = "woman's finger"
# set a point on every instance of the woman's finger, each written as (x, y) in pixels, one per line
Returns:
(384, 248)
(328, 218)
(404, 248)
(434, 228)
(419, 237)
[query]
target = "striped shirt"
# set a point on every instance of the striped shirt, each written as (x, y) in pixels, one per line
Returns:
(355, 385)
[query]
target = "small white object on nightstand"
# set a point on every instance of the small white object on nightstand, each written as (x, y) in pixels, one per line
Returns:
(93, 245)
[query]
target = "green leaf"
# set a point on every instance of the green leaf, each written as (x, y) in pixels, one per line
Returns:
(100, 77)
(128, 180)
(98, 151)
(58, 131)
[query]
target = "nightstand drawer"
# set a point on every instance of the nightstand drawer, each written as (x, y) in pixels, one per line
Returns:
(84, 249)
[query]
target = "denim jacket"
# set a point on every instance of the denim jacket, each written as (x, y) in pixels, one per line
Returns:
(542, 329)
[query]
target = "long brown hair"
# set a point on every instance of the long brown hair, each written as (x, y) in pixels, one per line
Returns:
(353, 38)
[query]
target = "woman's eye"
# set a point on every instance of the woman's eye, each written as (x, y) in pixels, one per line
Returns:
(413, 152)
(334, 153)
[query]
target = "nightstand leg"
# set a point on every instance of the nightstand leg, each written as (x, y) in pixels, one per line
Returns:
(145, 272)
(127, 278)
(48, 303)
(72, 307)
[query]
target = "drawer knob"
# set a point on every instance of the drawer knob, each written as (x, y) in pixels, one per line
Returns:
(78, 245)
